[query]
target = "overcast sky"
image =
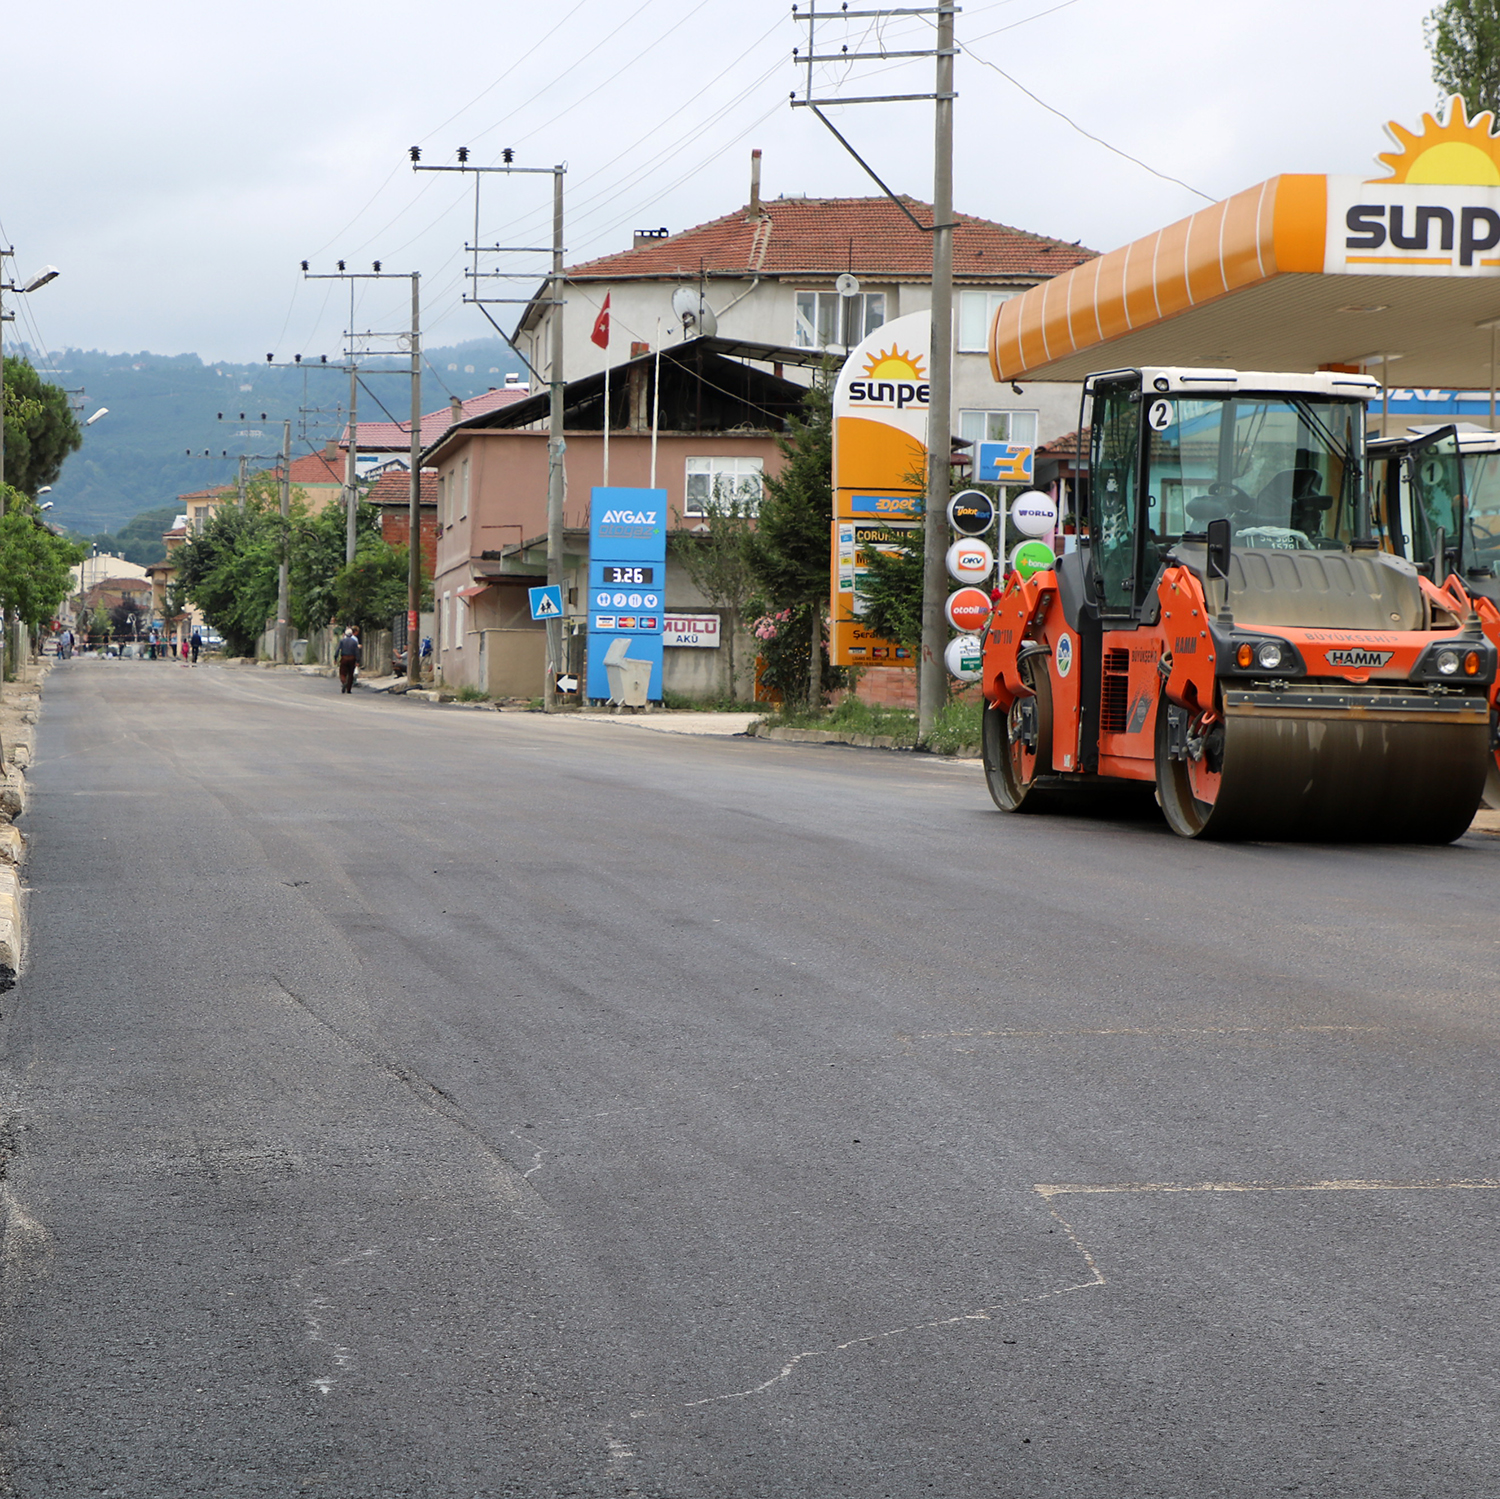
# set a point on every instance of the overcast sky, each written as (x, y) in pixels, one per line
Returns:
(177, 161)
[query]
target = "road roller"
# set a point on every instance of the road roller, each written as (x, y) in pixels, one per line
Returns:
(1229, 627)
(1435, 499)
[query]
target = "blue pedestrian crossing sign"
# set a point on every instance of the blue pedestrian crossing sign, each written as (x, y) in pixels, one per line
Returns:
(546, 603)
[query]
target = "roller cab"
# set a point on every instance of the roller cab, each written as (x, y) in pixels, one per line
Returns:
(1436, 501)
(1229, 628)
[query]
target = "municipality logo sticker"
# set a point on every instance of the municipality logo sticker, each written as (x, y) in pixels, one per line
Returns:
(1063, 655)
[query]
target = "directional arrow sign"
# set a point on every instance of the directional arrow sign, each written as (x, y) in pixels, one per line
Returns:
(546, 603)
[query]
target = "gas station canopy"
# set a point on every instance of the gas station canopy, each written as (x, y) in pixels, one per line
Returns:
(1300, 273)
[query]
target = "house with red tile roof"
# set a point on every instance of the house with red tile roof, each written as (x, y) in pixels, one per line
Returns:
(392, 440)
(767, 273)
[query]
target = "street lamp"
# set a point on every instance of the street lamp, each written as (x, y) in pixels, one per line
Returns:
(41, 278)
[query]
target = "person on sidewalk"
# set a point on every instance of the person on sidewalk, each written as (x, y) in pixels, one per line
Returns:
(197, 646)
(349, 659)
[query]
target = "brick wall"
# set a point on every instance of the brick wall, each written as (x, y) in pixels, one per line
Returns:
(395, 527)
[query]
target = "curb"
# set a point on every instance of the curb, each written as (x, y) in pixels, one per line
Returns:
(18, 742)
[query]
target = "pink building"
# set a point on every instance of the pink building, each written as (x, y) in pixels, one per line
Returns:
(719, 415)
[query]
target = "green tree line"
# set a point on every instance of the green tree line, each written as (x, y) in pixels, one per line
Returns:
(230, 568)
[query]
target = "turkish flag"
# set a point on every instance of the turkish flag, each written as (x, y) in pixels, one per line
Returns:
(600, 335)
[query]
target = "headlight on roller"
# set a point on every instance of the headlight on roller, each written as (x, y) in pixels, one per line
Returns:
(1270, 655)
(1447, 663)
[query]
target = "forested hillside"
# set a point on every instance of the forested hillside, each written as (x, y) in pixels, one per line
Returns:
(160, 406)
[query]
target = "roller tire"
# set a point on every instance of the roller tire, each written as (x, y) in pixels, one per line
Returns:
(1014, 775)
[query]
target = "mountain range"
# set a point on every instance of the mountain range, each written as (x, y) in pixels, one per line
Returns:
(161, 408)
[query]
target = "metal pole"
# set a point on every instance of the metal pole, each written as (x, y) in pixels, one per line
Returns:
(1494, 328)
(932, 689)
(414, 501)
(351, 466)
(3, 255)
(655, 401)
(283, 573)
(555, 446)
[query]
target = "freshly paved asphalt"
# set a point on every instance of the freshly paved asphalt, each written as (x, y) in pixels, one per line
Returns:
(405, 1101)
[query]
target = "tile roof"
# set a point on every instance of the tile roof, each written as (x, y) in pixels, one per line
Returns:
(395, 437)
(824, 236)
(1065, 446)
(394, 488)
(314, 468)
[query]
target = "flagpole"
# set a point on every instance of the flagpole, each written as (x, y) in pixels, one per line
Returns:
(655, 403)
(606, 418)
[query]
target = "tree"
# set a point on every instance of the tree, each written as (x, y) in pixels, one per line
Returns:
(716, 558)
(35, 562)
(229, 568)
(1463, 39)
(789, 552)
(891, 591)
(40, 428)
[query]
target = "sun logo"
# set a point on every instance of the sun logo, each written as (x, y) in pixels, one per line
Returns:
(893, 364)
(1455, 150)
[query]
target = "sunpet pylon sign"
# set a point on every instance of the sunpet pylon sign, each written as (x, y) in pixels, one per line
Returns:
(879, 461)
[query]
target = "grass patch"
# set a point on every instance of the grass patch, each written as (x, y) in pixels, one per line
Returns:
(957, 727)
(680, 702)
(468, 694)
(854, 717)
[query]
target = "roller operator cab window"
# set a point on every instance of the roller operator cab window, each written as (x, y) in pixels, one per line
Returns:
(1437, 485)
(1482, 511)
(1283, 470)
(1114, 466)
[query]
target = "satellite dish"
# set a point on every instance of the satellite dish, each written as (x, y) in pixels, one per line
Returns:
(695, 315)
(847, 285)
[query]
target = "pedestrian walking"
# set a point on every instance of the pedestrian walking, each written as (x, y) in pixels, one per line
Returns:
(65, 645)
(349, 658)
(197, 646)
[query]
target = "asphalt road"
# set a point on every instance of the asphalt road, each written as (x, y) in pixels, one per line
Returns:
(405, 1101)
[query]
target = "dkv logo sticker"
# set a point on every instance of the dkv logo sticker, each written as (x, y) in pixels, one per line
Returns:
(1063, 655)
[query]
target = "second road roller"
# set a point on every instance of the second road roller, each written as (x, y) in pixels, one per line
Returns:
(1228, 627)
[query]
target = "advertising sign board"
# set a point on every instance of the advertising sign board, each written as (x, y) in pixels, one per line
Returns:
(879, 462)
(627, 582)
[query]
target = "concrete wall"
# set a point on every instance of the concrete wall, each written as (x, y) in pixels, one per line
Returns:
(508, 663)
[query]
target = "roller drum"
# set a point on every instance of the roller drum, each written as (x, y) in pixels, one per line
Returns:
(1366, 771)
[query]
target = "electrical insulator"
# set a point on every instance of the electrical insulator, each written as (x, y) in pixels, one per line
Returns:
(507, 156)
(416, 153)
(463, 153)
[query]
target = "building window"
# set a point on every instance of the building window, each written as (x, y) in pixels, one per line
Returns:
(820, 318)
(998, 426)
(463, 489)
(721, 479)
(976, 311)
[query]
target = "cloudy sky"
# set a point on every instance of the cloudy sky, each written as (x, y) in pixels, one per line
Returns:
(177, 161)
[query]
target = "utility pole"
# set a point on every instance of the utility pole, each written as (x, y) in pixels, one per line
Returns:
(414, 533)
(284, 571)
(556, 445)
(351, 466)
(932, 688)
(412, 341)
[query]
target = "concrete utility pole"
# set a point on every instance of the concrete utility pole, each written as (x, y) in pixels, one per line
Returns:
(556, 446)
(351, 467)
(932, 688)
(283, 571)
(414, 546)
